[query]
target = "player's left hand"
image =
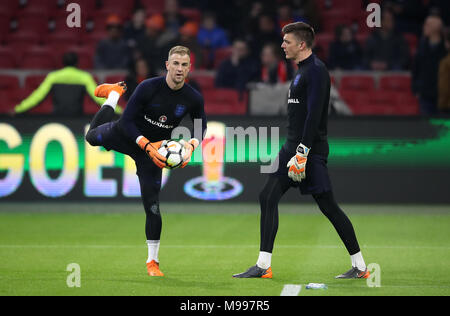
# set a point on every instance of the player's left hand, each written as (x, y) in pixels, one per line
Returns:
(297, 164)
(189, 146)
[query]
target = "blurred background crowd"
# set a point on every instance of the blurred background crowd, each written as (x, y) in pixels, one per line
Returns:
(400, 68)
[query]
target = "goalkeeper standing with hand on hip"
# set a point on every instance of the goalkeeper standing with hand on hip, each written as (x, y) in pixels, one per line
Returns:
(156, 107)
(302, 161)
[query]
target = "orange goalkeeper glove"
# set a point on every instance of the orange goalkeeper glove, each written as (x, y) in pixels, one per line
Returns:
(152, 151)
(189, 146)
(297, 164)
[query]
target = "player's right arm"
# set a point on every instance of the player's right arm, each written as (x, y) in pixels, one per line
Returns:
(128, 122)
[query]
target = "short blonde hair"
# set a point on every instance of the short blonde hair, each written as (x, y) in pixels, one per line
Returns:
(181, 50)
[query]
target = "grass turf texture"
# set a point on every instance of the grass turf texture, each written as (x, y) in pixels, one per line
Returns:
(200, 250)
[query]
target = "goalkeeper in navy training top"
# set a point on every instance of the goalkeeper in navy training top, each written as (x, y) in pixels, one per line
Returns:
(156, 107)
(302, 161)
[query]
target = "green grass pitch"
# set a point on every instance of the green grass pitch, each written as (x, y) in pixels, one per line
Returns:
(203, 244)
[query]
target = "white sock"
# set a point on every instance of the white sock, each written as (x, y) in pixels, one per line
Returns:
(264, 260)
(153, 249)
(112, 100)
(358, 261)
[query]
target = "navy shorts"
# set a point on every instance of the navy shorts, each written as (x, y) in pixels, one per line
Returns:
(317, 179)
(111, 137)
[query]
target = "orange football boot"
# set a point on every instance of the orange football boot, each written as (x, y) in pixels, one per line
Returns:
(103, 90)
(153, 269)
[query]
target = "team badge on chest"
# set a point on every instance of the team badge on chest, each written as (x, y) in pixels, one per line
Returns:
(179, 110)
(163, 118)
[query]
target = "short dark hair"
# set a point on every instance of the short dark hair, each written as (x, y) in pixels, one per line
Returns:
(302, 31)
(70, 59)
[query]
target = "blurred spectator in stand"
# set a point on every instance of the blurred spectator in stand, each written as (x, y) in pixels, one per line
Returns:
(430, 52)
(135, 28)
(173, 20)
(211, 36)
(386, 49)
(112, 52)
(284, 15)
(444, 79)
(306, 11)
(150, 46)
(250, 23)
(68, 87)
(139, 73)
(274, 68)
(409, 15)
(345, 52)
(188, 38)
(239, 69)
(267, 32)
(441, 8)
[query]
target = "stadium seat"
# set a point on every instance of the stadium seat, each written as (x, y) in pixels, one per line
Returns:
(8, 82)
(192, 14)
(114, 78)
(119, 7)
(62, 38)
(38, 58)
(33, 21)
(204, 80)
(45, 107)
(4, 26)
(322, 44)
(153, 6)
(33, 81)
(8, 58)
(395, 83)
(89, 106)
(6, 103)
(332, 19)
(357, 82)
(9, 8)
(27, 37)
(224, 102)
(220, 55)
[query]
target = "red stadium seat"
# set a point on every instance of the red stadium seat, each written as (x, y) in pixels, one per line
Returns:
(6, 103)
(38, 58)
(357, 82)
(332, 19)
(27, 37)
(62, 38)
(224, 102)
(9, 8)
(8, 82)
(8, 58)
(153, 6)
(220, 55)
(119, 7)
(45, 107)
(4, 25)
(192, 14)
(34, 81)
(114, 78)
(37, 22)
(396, 83)
(322, 44)
(204, 80)
(89, 106)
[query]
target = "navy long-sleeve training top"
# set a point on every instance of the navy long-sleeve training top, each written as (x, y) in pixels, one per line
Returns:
(154, 110)
(308, 100)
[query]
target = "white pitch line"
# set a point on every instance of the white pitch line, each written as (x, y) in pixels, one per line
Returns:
(291, 290)
(225, 246)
